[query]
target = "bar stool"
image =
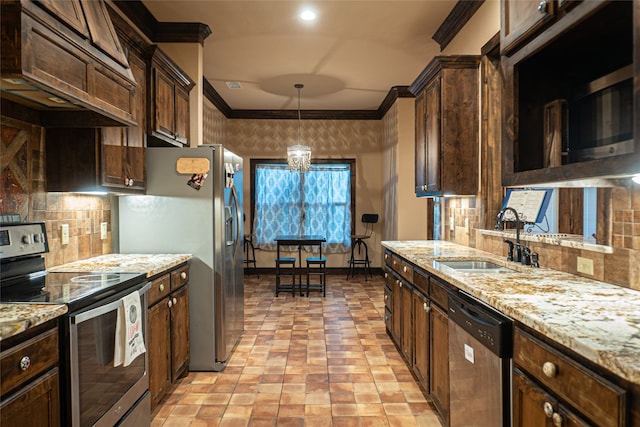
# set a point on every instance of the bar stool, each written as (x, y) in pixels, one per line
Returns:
(286, 267)
(358, 240)
(316, 267)
(250, 254)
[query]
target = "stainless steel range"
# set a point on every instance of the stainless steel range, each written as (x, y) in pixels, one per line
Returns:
(94, 392)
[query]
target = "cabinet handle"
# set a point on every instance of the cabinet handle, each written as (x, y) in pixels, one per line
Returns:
(549, 369)
(161, 287)
(25, 363)
(183, 275)
(175, 301)
(426, 307)
(548, 409)
(542, 6)
(557, 419)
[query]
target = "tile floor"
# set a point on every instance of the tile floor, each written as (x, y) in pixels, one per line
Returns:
(305, 362)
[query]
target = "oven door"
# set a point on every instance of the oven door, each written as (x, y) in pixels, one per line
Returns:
(101, 394)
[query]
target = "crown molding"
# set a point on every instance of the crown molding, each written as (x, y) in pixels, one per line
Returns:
(453, 23)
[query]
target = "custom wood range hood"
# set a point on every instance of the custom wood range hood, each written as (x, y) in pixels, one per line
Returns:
(63, 65)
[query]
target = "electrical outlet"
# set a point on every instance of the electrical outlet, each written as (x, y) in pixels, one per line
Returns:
(452, 225)
(585, 266)
(103, 231)
(64, 234)
(467, 227)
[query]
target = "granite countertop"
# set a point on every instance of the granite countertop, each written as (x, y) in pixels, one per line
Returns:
(151, 264)
(597, 320)
(18, 317)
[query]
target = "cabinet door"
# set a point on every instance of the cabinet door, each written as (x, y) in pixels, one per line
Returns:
(113, 145)
(179, 332)
(433, 135)
(36, 405)
(159, 348)
(534, 407)
(421, 145)
(182, 116)
(407, 323)
(396, 320)
(439, 361)
(521, 18)
(164, 104)
(134, 159)
(421, 310)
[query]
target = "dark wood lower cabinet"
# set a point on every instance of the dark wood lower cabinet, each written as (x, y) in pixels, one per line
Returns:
(439, 361)
(533, 407)
(421, 309)
(168, 338)
(36, 405)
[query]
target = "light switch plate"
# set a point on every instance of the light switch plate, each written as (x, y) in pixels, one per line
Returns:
(452, 225)
(103, 231)
(467, 228)
(64, 234)
(585, 266)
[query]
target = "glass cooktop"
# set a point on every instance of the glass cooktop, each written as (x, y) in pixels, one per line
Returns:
(74, 289)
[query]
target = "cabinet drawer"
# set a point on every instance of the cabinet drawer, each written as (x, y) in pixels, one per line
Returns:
(387, 319)
(160, 288)
(25, 361)
(179, 277)
(406, 270)
(388, 258)
(421, 281)
(600, 400)
(438, 292)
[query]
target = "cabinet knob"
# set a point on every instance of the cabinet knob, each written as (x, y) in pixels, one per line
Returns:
(548, 409)
(386, 297)
(557, 419)
(25, 363)
(549, 369)
(183, 275)
(386, 275)
(542, 6)
(161, 287)
(404, 268)
(175, 301)
(426, 307)
(170, 303)
(386, 256)
(400, 284)
(386, 318)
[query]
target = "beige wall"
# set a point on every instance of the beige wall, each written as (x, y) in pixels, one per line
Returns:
(405, 214)
(329, 139)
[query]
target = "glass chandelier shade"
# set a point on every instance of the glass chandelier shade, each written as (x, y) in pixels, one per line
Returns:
(299, 156)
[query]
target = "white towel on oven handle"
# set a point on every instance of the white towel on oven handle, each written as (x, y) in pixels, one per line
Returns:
(129, 341)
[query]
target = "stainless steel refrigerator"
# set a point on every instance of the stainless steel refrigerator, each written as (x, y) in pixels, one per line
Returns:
(194, 205)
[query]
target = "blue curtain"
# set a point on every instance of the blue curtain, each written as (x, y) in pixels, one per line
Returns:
(317, 202)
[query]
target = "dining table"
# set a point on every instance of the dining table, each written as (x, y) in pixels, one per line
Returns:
(300, 240)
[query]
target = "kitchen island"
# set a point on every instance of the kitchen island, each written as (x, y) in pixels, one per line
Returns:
(576, 341)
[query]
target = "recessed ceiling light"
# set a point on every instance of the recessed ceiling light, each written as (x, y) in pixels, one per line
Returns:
(308, 15)
(234, 85)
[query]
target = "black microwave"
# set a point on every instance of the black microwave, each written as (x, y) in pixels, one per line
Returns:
(600, 118)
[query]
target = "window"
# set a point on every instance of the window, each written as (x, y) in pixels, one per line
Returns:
(318, 202)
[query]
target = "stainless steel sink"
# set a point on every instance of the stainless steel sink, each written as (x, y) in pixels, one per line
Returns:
(475, 266)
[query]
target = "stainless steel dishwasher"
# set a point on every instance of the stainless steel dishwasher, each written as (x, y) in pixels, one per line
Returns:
(480, 352)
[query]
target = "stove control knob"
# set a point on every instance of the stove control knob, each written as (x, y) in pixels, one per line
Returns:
(25, 363)
(27, 239)
(38, 238)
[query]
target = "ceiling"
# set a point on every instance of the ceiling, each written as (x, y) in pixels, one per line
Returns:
(348, 59)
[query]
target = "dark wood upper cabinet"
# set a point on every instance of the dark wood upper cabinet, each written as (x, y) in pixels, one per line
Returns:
(169, 87)
(447, 127)
(64, 56)
(572, 96)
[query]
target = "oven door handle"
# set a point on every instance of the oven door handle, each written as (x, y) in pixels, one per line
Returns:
(98, 311)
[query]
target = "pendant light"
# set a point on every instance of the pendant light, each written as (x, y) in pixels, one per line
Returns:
(299, 156)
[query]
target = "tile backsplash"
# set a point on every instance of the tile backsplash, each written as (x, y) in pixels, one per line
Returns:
(23, 192)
